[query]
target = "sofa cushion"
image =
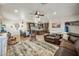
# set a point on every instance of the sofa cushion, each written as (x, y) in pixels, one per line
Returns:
(66, 49)
(50, 37)
(77, 46)
(73, 39)
(65, 52)
(67, 44)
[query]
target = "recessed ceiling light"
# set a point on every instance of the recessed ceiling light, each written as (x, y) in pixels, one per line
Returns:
(22, 17)
(16, 11)
(54, 13)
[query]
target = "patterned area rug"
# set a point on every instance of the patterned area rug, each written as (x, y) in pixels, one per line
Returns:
(32, 48)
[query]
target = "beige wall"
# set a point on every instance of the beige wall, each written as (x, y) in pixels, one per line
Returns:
(56, 30)
(74, 29)
(13, 30)
(62, 22)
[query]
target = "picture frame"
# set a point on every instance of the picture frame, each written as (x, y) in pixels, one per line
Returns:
(56, 25)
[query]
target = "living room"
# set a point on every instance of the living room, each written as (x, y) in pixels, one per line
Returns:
(39, 29)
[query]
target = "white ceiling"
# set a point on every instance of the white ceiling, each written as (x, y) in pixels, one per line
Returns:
(28, 9)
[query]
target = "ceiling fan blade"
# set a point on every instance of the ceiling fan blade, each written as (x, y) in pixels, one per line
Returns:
(41, 14)
(36, 13)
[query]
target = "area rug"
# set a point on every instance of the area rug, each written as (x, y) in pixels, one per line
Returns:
(32, 48)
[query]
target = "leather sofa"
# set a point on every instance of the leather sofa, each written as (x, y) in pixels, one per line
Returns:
(69, 47)
(53, 38)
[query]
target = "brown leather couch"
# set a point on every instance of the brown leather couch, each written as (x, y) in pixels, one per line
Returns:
(53, 38)
(69, 47)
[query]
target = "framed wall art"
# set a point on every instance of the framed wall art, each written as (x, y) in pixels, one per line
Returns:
(56, 25)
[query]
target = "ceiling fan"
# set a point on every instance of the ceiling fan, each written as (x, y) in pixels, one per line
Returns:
(38, 14)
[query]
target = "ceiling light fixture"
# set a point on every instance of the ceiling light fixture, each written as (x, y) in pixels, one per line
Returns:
(54, 13)
(37, 20)
(22, 16)
(16, 11)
